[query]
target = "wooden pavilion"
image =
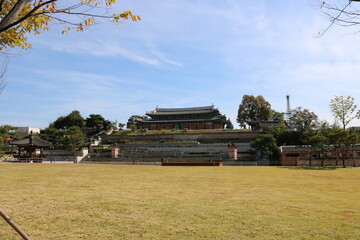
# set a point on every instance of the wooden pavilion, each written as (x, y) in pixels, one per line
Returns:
(30, 149)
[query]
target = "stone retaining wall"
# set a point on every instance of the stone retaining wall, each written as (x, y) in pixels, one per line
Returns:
(211, 137)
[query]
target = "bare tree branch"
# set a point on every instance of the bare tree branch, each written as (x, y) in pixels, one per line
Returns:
(345, 15)
(3, 82)
(335, 18)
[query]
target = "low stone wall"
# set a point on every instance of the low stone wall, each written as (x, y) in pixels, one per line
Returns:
(211, 137)
(329, 163)
(7, 159)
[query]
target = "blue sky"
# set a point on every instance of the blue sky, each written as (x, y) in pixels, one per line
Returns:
(183, 54)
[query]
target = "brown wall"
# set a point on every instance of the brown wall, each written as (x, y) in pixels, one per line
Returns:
(290, 159)
(188, 125)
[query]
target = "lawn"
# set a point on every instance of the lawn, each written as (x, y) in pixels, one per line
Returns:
(80, 201)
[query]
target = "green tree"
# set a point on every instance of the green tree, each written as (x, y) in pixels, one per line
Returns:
(229, 124)
(72, 119)
(94, 120)
(343, 108)
(121, 126)
(302, 120)
(7, 132)
(344, 142)
(53, 135)
(252, 108)
(6, 135)
(264, 108)
(74, 139)
(277, 115)
(266, 145)
(131, 123)
(20, 17)
(283, 136)
(319, 144)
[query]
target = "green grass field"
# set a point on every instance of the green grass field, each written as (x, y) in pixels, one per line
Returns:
(68, 201)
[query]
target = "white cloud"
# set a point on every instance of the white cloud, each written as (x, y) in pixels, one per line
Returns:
(140, 54)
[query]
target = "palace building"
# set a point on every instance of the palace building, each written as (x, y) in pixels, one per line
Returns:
(207, 117)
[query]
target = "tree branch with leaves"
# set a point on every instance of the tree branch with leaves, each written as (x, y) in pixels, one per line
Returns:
(20, 17)
(343, 108)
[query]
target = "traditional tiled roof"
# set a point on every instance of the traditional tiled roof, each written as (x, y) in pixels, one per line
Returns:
(303, 148)
(31, 141)
(178, 120)
(262, 124)
(178, 111)
(308, 148)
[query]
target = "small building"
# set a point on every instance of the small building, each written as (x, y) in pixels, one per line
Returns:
(25, 131)
(30, 149)
(207, 117)
(289, 155)
(264, 125)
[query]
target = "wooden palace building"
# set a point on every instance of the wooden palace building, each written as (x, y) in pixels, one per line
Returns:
(207, 117)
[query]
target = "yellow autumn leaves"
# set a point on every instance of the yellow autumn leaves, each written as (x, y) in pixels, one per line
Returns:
(35, 17)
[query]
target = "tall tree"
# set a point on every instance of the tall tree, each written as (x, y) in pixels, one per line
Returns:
(343, 108)
(252, 108)
(302, 120)
(20, 17)
(264, 108)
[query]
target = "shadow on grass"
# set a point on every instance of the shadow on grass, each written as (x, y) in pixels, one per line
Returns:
(309, 168)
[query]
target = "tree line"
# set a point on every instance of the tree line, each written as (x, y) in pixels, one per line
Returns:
(302, 126)
(73, 131)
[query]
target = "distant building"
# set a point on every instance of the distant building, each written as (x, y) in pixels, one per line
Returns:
(207, 117)
(355, 128)
(264, 125)
(25, 131)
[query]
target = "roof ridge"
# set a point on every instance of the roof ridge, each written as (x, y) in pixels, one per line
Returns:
(182, 109)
